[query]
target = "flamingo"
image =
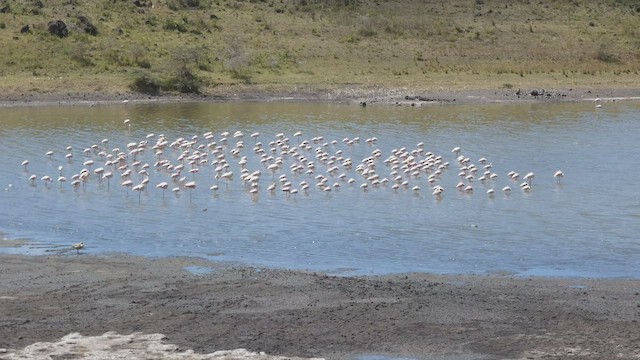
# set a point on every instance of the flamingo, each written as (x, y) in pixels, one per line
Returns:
(190, 185)
(529, 178)
(127, 184)
(227, 176)
(273, 168)
(139, 188)
(99, 171)
(107, 175)
(558, 175)
(163, 185)
(47, 179)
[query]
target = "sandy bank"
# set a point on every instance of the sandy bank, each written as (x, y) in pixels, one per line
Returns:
(291, 313)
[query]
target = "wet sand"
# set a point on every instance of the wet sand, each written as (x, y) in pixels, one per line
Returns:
(302, 314)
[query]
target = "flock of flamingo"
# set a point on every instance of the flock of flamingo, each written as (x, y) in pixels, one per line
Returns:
(280, 164)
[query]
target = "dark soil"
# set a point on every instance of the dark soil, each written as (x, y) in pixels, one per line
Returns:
(308, 314)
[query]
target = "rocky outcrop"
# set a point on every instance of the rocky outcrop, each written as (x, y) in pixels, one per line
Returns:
(58, 28)
(87, 26)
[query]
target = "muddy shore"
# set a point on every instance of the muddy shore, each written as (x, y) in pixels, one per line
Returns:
(293, 313)
(352, 95)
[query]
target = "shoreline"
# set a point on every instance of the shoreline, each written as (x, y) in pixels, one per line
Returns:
(206, 263)
(307, 314)
(350, 95)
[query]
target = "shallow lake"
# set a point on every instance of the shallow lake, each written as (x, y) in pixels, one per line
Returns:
(586, 224)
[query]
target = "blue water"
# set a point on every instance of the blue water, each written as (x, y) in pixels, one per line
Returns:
(587, 225)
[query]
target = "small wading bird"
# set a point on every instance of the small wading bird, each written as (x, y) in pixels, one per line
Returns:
(79, 246)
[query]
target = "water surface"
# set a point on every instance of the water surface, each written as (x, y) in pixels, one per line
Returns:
(586, 225)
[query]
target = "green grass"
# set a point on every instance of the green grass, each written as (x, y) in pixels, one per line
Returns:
(321, 44)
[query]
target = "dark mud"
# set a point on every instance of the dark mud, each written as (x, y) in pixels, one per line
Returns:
(292, 313)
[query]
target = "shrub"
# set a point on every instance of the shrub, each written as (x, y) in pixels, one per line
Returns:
(185, 81)
(606, 55)
(82, 53)
(138, 53)
(308, 5)
(188, 4)
(87, 26)
(174, 25)
(145, 84)
(237, 59)
(144, 63)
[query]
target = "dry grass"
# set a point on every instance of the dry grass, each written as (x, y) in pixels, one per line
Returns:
(323, 44)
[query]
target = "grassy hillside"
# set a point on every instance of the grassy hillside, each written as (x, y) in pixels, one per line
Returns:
(210, 45)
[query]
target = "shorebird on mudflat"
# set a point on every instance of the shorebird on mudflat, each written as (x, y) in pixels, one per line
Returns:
(79, 246)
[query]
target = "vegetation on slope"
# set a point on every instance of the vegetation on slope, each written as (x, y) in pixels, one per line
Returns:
(194, 46)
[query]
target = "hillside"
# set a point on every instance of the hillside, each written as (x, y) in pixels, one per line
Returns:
(210, 46)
